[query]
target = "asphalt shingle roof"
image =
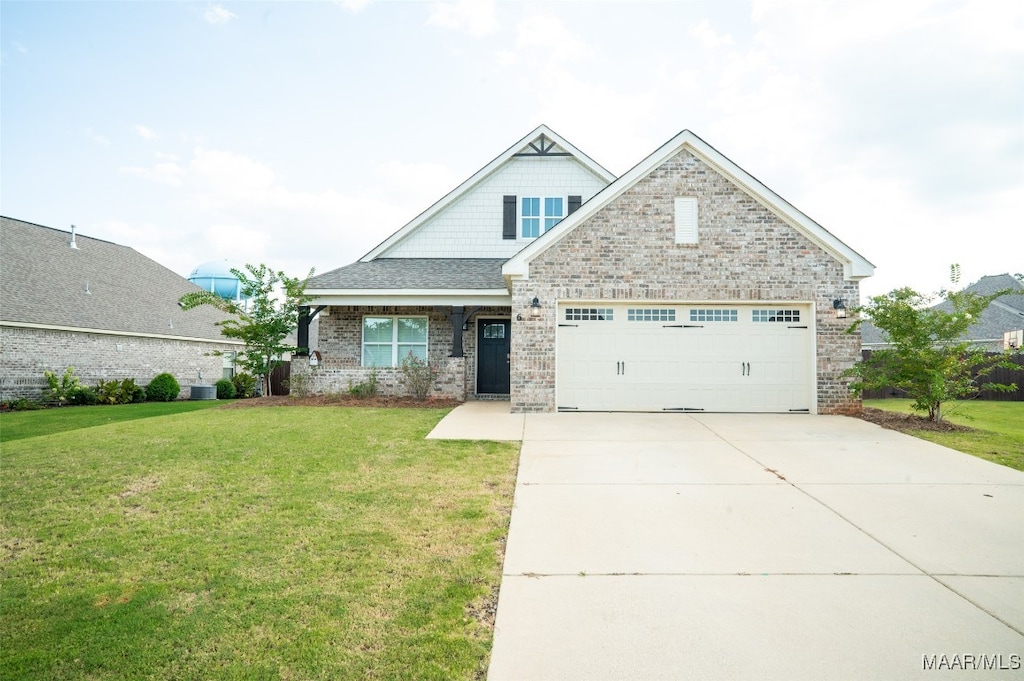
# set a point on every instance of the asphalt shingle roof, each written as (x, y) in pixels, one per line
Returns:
(99, 286)
(414, 273)
(1006, 313)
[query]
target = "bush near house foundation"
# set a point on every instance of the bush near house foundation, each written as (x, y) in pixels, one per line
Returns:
(163, 388)
(245, 385)
(225, 389)
(418, 375)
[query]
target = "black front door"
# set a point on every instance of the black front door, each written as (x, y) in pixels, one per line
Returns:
(493, 348)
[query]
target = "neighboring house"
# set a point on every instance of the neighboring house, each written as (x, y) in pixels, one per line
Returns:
(1000, 326)
(110, 312)
(684, 285)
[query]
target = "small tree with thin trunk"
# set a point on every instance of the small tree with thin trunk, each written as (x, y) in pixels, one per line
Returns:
(264, 321)
(930, 358)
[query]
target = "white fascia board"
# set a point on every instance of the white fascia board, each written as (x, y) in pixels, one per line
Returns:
(479, 177)
(109, 332)
(855, 266)
(376, 297)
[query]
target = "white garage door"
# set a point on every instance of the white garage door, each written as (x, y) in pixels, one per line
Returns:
(678, 357)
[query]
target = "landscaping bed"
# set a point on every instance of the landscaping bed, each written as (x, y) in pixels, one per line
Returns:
(905, 423)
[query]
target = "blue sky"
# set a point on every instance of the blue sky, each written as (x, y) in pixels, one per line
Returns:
(302, 134)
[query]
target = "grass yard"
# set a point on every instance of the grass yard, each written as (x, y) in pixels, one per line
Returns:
(998, 433)
(21, 424)
(256, 543)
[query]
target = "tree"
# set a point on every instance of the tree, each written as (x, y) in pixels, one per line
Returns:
(929, 359)
(264, 321)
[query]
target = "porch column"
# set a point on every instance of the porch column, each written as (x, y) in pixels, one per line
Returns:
(302, 332)
(458, 318)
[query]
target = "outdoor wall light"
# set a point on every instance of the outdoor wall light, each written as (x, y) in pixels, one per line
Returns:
(535, 307)
(840, 307)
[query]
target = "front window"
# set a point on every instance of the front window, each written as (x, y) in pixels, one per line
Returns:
(536, 212)
(386, 340)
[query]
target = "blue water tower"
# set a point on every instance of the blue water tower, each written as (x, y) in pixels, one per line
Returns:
(216, 277)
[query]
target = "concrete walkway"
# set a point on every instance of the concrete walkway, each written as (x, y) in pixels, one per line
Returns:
(735, 546)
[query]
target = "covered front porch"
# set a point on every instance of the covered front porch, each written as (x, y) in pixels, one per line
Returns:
(361, 348)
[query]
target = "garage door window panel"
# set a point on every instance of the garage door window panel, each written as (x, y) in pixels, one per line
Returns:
(639, 314)
(714, 315)
(781, 316)
(589, 314)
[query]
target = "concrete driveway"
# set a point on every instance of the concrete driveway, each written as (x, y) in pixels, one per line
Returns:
(725, 546)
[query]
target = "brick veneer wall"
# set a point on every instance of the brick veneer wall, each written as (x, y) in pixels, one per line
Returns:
(627, 251)
(340, 345)
(26, 353)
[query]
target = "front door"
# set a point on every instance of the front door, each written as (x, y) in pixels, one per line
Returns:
(493, 347)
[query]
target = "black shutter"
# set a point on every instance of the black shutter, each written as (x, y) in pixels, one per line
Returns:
(508, 230)
(574, 203)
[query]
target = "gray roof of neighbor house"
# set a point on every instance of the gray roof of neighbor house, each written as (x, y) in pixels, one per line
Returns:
(1006, 313)
(413, 273)
(100, 286)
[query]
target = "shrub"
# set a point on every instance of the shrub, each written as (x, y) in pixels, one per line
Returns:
(108, 392)
(418, 375)
(60, 388)
(367, 388)
(245, 385)
(298, 385)
(82, 396)
(163, 388)
(225, 389)
(133, 392)
(119, 392)
(23, 404)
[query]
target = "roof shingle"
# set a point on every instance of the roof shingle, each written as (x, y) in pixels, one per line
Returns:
(99, 286)
(413, 273)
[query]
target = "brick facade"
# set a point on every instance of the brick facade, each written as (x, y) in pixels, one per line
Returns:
(340, 347)
(627, 252)
(25, 353)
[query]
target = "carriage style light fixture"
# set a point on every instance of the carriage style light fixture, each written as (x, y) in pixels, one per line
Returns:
(535, 307)
(840, 307)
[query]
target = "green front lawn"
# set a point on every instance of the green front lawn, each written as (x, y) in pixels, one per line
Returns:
(16, 425)
(258, 543)
(997, 435)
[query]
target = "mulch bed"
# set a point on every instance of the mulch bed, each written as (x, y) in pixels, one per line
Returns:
(908, 422)
(887, 419)
(340, 401)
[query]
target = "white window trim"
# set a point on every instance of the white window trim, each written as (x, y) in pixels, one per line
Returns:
(541, 217)
(395, 359)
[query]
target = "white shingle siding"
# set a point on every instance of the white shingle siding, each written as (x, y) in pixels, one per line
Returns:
(471, 227)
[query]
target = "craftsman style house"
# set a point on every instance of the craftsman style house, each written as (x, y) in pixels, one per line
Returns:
(684, 285)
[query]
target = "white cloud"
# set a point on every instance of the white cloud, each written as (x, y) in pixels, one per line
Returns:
(226, 175)
(546, 34)
(506, 58)
(170, 174)
(97, 137)
(708, 37)
(218, 14)
(476, 17)
(242, 210)
(145, 132)
(20, 48)
(354, 6)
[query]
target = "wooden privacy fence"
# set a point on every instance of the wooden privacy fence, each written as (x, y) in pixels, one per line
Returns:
(999, 375)
(279, 378)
